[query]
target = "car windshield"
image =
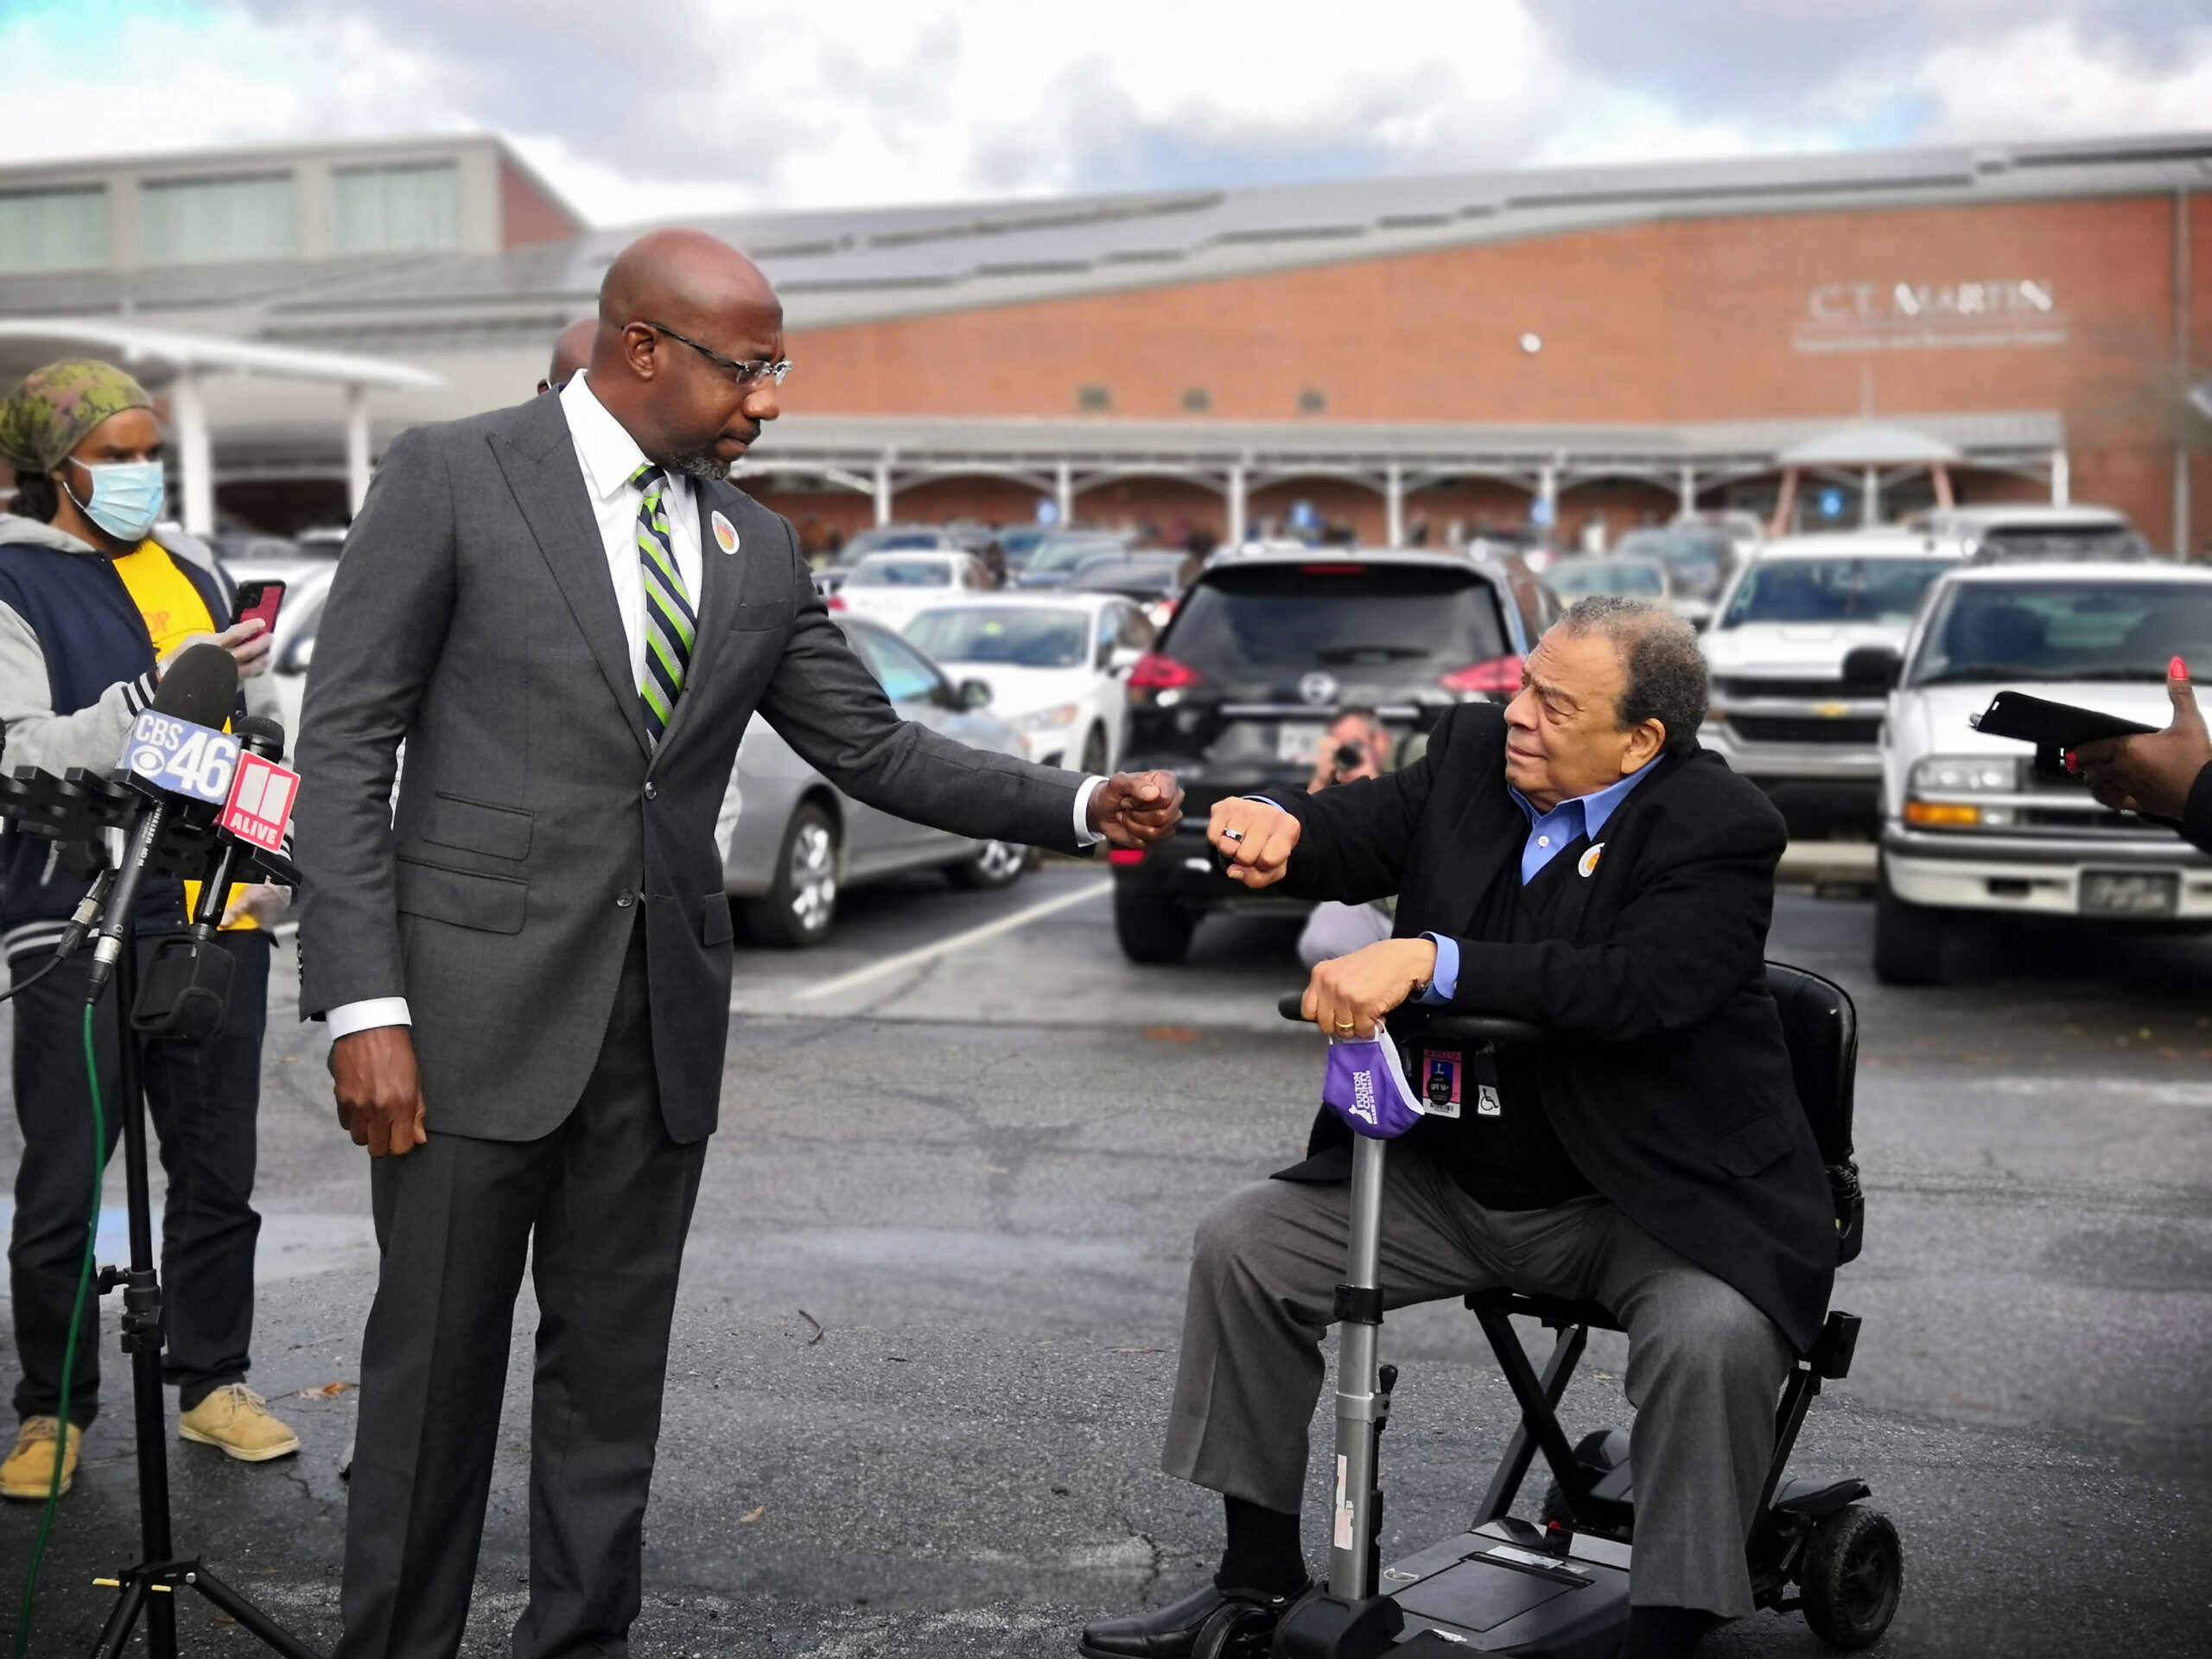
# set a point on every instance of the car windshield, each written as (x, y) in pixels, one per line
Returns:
(1697, 560)
(2068, 630)
(1065, 552)
(1833, 590)
(902, 573)
(1631, 578)
(1260, 620)
(888, 540)
(1017, 545)
(1116, 575)
(991, 633)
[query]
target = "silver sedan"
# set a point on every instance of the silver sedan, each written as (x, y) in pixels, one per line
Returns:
(791, 841)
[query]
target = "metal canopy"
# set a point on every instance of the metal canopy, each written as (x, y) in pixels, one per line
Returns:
(1873, 446)
(164, 358)
(879, 455)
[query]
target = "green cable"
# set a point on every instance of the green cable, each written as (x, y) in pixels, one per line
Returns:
(65, 1428)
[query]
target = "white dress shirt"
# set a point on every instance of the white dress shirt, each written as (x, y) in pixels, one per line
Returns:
(609, 456)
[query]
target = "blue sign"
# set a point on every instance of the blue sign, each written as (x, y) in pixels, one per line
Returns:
(182, 758)
(1831, 503)
(1541, 512)
(1302, 516)
(1048, 511)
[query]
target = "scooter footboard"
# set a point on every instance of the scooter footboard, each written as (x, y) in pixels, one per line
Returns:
(1494, 1591)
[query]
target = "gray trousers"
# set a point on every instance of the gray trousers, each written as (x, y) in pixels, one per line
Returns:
(1705, 1367)
(599, 1207)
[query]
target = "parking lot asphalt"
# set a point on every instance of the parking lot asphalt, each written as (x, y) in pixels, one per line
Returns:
(933, 1298)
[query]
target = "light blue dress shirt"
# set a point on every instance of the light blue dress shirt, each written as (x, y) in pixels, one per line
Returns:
(1549, 833)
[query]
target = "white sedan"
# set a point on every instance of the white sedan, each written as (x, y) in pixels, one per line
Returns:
(1056, 664)
(890, 587)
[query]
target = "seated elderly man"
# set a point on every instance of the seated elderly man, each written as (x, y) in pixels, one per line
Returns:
(1575, 860)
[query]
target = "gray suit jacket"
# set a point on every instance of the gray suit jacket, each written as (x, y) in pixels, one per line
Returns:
(472, 618)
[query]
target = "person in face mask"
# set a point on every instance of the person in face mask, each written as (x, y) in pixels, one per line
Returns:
(94, 601)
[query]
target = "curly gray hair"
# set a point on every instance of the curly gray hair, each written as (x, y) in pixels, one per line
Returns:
(1659, 653)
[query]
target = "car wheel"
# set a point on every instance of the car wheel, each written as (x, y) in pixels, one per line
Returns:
(798, 907)
(1853, 1576)
(1152, 930)
(1909, 939)
(993, 864)
(1095, 757)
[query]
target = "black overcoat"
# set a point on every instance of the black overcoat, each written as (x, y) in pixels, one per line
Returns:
(1667, 1081)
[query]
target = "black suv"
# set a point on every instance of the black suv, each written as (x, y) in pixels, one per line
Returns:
(1263, 652)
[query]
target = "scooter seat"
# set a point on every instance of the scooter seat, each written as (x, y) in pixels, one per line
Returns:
(1802, 1495)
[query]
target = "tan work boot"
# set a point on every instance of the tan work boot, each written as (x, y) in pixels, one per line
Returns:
(237, 1419)
(28, 1472)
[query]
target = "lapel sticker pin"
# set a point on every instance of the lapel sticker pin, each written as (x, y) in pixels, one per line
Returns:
(1588, 863)
(725, 533)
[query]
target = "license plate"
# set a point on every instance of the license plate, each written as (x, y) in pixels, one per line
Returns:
(1296, 744)
(2130, 892)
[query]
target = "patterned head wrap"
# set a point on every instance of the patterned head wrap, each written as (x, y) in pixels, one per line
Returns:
(49, 415)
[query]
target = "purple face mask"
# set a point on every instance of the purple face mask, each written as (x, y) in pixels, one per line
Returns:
(1366, 1087)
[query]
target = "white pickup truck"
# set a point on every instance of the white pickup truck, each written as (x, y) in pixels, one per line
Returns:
(1972, 822)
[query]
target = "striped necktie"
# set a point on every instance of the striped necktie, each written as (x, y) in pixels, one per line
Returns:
(671, 623)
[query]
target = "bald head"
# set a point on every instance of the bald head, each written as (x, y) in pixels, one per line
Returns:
(571, 351)
(679, 313)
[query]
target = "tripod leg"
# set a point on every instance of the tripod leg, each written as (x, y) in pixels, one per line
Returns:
(271, 1634)
(115, 1634)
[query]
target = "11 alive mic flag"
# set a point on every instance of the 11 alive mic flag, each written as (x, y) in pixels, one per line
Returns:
(261, 802)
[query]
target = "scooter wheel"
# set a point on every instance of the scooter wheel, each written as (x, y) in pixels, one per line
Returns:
(1235, 1633)
(1852, 1575)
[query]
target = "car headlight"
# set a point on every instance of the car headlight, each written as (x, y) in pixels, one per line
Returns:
(1953, 775)
(1966, 774)
(1044, 720)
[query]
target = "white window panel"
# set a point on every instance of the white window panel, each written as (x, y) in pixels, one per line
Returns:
(401, 209)
(214, 221)
(53, 229)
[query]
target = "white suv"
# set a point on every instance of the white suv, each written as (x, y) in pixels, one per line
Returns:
(1972, 822)
(1783, 713)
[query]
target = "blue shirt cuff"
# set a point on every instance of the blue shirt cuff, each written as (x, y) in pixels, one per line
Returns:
(1444, 983)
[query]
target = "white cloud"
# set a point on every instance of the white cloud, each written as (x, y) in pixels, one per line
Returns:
(667, 106)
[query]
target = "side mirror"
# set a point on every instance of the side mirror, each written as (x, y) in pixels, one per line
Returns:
(1873, 671)
(1120, 660)
(975, 694)
(298, 657)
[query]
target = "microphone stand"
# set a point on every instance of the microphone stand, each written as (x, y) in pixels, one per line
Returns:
(81, 806)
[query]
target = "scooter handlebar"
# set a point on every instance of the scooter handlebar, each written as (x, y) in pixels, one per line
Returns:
(1470, 1028)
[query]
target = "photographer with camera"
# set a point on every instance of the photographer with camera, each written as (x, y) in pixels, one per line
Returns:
(94, 603)
(1358, 745)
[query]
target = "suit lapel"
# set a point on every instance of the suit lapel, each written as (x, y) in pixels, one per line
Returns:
(1490, 832)
(548, 481)
(720, 576)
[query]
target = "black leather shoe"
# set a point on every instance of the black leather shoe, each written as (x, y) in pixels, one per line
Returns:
(1173, 1631)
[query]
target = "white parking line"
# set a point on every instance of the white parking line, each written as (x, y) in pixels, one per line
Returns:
(957, 942)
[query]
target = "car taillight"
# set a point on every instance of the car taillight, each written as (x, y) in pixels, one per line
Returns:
(1491, 674)
(836, 602)
(1153, 672)
(1125, 854)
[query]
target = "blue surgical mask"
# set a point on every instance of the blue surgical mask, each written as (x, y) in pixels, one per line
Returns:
(127, 497)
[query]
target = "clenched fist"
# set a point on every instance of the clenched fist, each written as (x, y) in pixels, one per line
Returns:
(1257, 836)
(1132, 808)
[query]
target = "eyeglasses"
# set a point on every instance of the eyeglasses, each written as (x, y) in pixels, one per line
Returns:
(745, 374)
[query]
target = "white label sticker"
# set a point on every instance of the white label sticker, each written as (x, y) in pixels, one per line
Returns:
(1344, 1508)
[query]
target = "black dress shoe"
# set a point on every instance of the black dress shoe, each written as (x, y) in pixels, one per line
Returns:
(1170, 1632)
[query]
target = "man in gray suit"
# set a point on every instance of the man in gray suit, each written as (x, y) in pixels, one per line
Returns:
(567, 615)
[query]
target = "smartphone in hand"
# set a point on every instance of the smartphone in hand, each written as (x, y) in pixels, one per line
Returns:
(259, 601)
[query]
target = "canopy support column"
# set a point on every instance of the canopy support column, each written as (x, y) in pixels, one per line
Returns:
(1785, 505)
(1942, 477)
(1686, 490)
(1869, 497)
(1394, 505)
(357, 448)
(1235, 494)
(195, 455)
(2061, 480)
(1064, 492)
(883, 491)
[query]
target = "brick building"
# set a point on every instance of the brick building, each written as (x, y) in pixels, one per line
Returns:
(1402, 357)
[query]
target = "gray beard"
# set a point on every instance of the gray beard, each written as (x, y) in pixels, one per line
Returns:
(701, 466)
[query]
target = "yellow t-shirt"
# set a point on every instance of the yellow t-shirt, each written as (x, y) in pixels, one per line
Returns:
(173, 612)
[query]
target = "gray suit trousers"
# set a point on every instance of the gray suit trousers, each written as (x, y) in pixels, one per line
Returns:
(1705, 1366)
(600, 1208)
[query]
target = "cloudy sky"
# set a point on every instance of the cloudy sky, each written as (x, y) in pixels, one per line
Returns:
(641, 108)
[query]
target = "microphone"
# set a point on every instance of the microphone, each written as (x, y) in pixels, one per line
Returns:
(197, 690)
(261, 736)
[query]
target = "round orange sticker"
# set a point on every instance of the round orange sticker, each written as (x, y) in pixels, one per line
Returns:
(725, 534)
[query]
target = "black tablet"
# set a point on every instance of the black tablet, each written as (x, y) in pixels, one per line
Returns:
(2051, 724)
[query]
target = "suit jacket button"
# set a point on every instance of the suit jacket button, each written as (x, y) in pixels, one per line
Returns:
(650, 792)
(625, 899)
